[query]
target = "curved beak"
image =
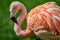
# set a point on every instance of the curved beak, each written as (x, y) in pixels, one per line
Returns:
(13, 18)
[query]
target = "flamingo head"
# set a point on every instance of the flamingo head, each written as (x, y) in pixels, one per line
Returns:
(14, 7)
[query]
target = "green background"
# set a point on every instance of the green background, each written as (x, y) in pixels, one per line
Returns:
(6, 25)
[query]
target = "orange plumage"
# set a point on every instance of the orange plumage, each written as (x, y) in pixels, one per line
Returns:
(45, 17)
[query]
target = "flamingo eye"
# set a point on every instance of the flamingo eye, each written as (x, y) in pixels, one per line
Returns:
(13, 10)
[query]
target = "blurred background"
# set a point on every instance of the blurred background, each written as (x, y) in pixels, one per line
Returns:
(6, 25)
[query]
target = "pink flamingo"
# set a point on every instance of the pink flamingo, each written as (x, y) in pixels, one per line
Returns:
(41, 20)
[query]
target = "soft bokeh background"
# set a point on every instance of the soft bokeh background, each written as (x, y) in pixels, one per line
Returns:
(6, 25)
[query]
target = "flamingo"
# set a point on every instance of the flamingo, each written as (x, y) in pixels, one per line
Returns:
(43, 20)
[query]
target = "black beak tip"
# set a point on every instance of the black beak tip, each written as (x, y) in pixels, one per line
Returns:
(14, 19)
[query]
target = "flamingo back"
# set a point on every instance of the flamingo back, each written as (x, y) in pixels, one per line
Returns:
(45, 18)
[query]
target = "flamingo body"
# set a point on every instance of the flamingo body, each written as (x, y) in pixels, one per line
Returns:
(44, 20)
(46, 17)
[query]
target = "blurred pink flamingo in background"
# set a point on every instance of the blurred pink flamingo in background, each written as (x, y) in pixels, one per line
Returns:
(43, 20)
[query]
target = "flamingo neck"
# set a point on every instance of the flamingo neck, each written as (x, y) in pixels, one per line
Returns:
(20, 19)
(22, 16)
